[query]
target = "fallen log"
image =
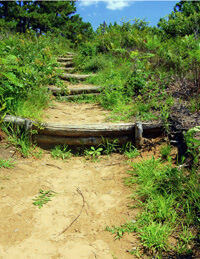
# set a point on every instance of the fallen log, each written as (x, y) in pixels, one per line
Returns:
(73, 76)
(90, 141)
(86, 130)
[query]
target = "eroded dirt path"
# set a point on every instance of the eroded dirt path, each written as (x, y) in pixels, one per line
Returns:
(30, 232)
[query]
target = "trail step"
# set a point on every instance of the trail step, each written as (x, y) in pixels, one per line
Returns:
(88, 134)
(75, 90)
(66, 64)
(67, 69)
(61, 59)
(73, 76)
(76, 96)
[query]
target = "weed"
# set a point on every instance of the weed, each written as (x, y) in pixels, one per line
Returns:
(130, 151)
(93, 153)
(167, 197)
(19, 138)
(43, 198)
(62, 152)
(6, 163)
(165, 151)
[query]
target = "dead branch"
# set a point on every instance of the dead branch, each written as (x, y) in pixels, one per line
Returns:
(83, 206)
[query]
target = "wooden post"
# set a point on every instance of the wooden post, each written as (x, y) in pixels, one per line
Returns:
(138, 134)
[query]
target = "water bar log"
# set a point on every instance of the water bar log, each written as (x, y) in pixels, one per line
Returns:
(74, 90)
(64, 59)
(76, 96)
(73, 76)
(86, 130)
(90, 141)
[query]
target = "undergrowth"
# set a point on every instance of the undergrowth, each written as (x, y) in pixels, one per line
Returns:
(168, 199)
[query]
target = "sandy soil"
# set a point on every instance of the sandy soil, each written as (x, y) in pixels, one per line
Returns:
(75, 113)
(30, 232)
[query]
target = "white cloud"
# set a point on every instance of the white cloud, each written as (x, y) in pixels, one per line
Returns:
(116, 5)
(110, 4)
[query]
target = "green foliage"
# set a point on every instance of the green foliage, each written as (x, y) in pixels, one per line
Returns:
(43, 198)
(165, 151)
(18, 138)
(93, 153)
(193, 144)
(169, 199)
(62, 152)
(6, 163)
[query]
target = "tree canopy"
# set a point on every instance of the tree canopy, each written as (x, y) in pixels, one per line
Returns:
(42, 17)
(184, 20)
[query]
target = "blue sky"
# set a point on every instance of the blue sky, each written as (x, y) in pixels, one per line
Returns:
(97, 11)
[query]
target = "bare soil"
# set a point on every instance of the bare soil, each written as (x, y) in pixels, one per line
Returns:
(89, 197)
(94, 191)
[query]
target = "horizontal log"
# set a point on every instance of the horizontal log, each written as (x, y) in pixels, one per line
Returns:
(67, 69)
(75, 90)
(71, 53)
(73, 76)
(75, 96)
(26, 123)
(86, 130)
(66, 64)
(64, 59)
(91, 141)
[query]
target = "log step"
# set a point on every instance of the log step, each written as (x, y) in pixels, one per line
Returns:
(72, 76)
(74, 90)
(91, 141)
(75, 96)
(85, 134)
(64, 59)
(66, 64)
(67, 69)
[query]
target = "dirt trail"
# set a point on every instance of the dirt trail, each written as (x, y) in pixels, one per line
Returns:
(30, 232)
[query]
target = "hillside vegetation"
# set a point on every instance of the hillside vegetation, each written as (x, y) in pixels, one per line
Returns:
(145, 71)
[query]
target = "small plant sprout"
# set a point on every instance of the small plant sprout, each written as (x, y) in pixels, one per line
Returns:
(43, 198)
(6, 163)
(93, 153)
(62, 152)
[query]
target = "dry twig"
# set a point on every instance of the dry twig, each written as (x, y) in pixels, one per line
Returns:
(79, 191)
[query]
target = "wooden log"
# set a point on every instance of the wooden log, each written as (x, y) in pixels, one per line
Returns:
(67, 69)
(75, 96)
(90, 141)
(66, 64)
(86, 130)
(16, 120)
(64, 59)
(73, 76)
(138, 134)
(74, 90)
(71, 53)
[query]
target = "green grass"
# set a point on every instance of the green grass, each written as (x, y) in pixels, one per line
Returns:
(62, 152)
(169, 202)
(6, 163)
